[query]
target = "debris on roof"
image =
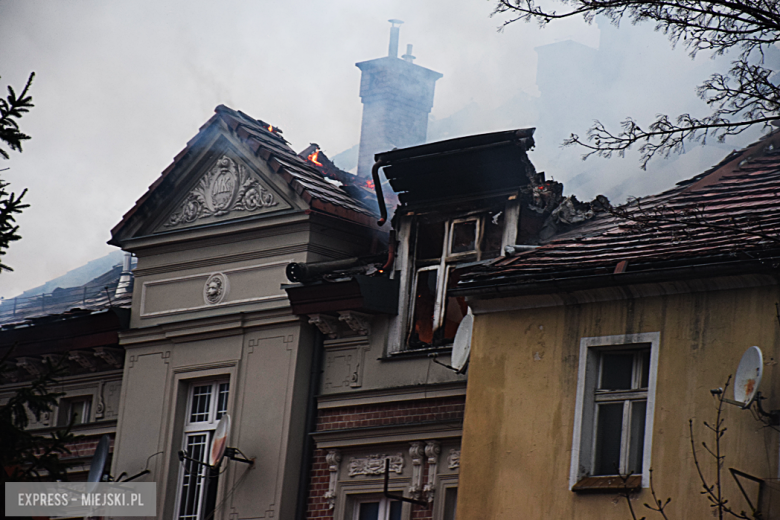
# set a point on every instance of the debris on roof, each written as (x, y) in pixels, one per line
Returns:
(96, 295)
(726, 217)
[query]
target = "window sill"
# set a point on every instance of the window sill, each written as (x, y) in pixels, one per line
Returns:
(608, 484)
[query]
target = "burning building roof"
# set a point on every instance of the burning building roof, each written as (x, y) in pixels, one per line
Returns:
(307, 178)
(726, 219)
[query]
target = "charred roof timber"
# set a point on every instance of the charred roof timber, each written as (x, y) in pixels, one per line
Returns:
(456, 168)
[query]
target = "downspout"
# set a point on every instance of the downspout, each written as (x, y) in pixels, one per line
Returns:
(310, 428)
(378, 189)
(390, 252)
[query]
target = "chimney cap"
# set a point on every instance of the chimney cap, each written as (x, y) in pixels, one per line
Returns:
(394, 21)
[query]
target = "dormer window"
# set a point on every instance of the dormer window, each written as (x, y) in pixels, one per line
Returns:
(439, 247)
(464, 236)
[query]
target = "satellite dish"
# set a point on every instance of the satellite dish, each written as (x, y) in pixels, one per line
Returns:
(461, 347)
(748, 376)
(99, 459)
(219, 442)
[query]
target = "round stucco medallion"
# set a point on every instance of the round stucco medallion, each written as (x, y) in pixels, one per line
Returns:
(216, 288)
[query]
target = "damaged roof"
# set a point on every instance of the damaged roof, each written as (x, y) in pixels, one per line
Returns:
(265, 141)
(469, 166)
(726, 219)
(94, 296)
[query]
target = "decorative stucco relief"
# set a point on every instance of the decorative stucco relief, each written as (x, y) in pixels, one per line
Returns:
(416, 451)
(333, 458)
(453, 459)
(356, 321)
(215, 289)
(328, 325)
(375, 464)
(114, 357)
(432, 450)
(225, 188)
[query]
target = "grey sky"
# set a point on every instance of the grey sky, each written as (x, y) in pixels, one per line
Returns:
(122, 85)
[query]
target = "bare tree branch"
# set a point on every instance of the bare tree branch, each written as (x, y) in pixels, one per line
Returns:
(740, 98)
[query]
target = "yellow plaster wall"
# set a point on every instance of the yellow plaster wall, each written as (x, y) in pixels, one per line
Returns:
(521, 398)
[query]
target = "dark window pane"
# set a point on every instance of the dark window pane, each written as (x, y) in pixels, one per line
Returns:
(193, 478)
(464, 237)
(450, 501)
(430, 240)
(616, 371)
(369, 511)
(455, 309)
(424, 301)
(636, 448)
(395, 510)
(224, 389)
(493, 235)
(610, 424)
(645, 369)
(79, 410)
(201, 399)
(74, 409)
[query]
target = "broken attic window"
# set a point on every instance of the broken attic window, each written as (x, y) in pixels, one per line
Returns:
(424, 304)
(454, 310)
(464, 237)
(430, 240)
(492, 235)
(435, 316)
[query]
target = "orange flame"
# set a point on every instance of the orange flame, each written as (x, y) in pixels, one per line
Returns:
(270, 128)
(370, 185)
(313, 157)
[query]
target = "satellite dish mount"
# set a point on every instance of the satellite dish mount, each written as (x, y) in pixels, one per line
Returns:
(461, 346)
(219, 449)
(746, 383)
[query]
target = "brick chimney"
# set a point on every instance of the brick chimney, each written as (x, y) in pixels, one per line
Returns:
(397, 97)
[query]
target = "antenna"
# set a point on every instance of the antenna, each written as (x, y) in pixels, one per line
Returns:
(98, 464)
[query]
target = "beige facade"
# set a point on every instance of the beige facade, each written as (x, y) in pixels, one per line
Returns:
(523, 387)
(594, 354)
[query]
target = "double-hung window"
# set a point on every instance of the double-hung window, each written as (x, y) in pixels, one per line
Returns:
(207, 403)
(439, 247)
(614, 411)
(378, 509)
(76, 409)
(621, 406)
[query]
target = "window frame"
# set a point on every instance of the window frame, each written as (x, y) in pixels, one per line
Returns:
(65, 407)
(384, 506)
(585, 415)
(446, 261)
(192, 429)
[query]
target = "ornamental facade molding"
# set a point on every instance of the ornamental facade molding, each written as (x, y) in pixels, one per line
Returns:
(375, 464)
(225, 188)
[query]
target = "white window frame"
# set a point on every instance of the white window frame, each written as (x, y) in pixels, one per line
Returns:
(384, 506)
(446, 260)
(583, 439)
(195, 428)
(65, 407)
